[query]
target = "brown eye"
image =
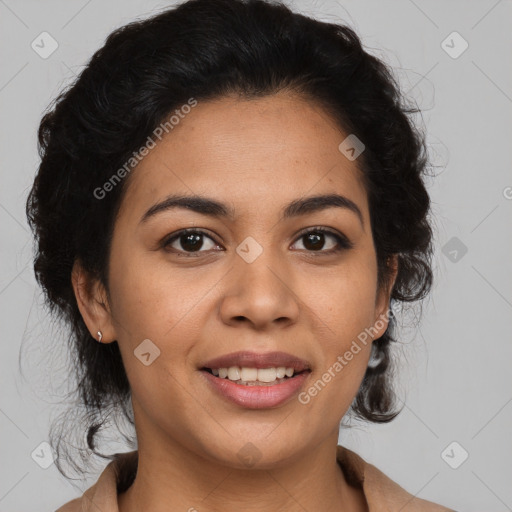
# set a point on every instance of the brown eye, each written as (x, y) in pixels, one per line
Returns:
(190, 241)
(316, 239)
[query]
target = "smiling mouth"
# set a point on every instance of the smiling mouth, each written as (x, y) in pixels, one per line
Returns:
(255, 377)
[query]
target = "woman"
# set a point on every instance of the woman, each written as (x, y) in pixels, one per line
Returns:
(229, 203)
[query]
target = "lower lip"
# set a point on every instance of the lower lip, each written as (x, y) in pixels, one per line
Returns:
(257, 397)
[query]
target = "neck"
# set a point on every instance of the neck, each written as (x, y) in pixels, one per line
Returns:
(178, 477)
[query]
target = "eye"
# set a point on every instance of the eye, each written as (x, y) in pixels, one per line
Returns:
(315, 239)
(189, 241)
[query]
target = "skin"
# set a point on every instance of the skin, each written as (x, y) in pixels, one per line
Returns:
(256, 156)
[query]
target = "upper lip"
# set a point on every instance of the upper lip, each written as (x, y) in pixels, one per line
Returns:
(254, 360)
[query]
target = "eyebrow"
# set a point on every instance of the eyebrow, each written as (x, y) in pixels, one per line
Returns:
(216, 209)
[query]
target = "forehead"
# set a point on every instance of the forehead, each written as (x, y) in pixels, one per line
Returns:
(254, 153)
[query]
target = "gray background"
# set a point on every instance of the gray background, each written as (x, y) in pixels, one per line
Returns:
(455, 368)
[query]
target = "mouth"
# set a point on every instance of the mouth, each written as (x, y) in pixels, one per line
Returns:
(247, 376)
(254, 360)
(256, 381)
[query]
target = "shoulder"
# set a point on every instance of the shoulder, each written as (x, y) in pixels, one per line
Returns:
(117, 475)
(71, 506)
(382, 493)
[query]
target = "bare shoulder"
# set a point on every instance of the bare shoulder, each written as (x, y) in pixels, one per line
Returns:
(71, 506)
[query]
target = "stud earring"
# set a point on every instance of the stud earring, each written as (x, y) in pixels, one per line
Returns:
(100, 336)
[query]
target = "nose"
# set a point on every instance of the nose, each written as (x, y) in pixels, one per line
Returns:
(261, 294)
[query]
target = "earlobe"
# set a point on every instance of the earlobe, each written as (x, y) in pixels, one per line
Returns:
(92, 303)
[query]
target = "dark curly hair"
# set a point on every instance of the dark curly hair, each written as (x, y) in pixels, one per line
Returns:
(206, 49)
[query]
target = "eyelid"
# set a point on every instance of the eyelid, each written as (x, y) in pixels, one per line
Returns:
(168, 239)
(343, 242)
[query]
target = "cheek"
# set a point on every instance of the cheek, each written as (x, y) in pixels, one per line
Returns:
(344, 298)
(344, 307)
(150, 302)
(150, 298)
(345, 311)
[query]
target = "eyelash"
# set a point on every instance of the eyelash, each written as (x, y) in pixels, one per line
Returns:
(343, 243)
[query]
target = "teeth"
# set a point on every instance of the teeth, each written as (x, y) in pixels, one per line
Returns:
(248, 374)
(235, 373)
(267, 374)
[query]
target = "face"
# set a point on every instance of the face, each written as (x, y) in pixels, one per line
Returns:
(253, 280)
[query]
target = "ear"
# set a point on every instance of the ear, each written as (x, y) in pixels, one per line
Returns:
(93, 304)
(383, 298)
